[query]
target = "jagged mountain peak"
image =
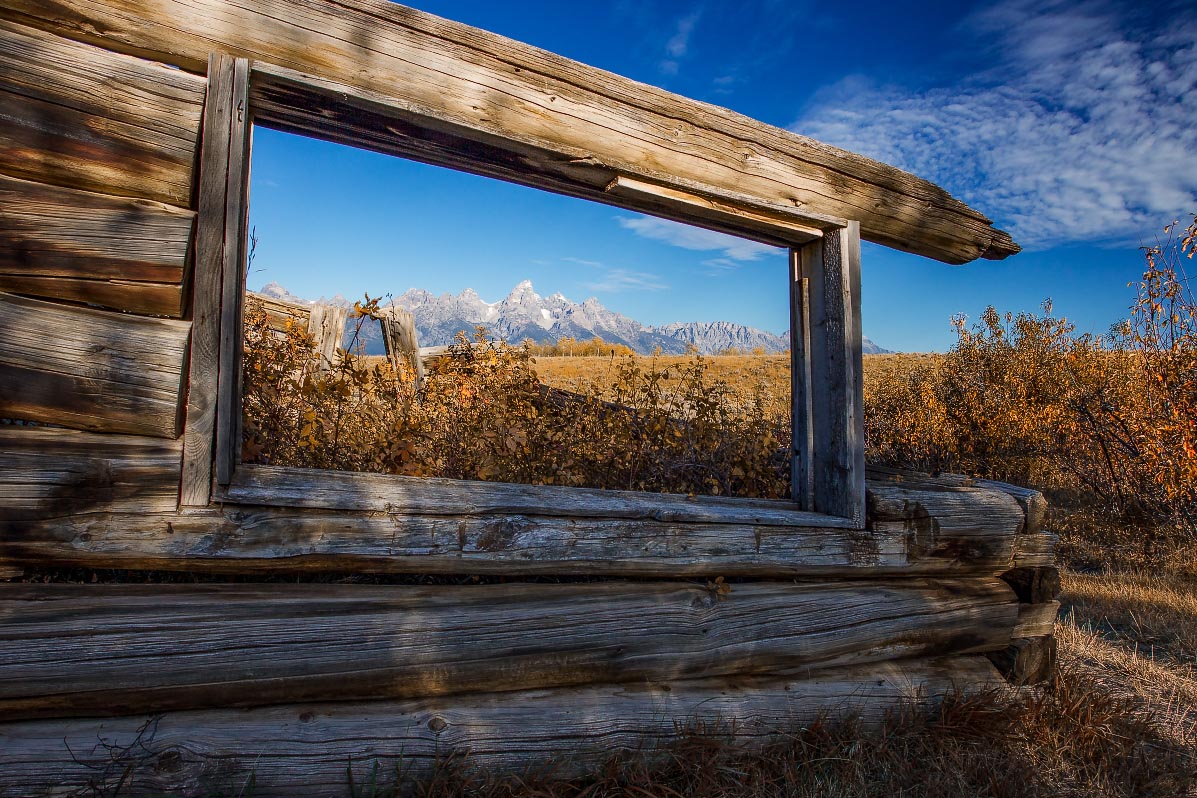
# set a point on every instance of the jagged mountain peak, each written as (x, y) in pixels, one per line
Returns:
(524, 314)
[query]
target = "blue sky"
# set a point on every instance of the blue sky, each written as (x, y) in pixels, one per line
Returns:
(1071, 124)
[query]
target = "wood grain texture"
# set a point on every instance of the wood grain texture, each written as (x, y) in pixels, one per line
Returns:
(46, 472)
(259, 540)
(1034, 585)
(77, 650)
(1035, 551)
(831, 269)
(52, 231)
(90, 369)
(1027, 661)
(1033, 503)
(1036, 620)
(232, 289)
(199, 437)
(343, 490)
(501, 90)
(802, 412)
(402, 342)
(152, 299)
(778, 226)
(489, 528)
(82, 117)
(307, 749)
(944, 522)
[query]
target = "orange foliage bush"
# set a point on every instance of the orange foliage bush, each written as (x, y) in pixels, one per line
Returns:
(482, 413)
(1108, 422)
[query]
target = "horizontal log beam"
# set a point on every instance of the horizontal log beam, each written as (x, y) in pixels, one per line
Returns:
(258, 540)
(1036, 620)
(503, 91)
(82, 117)
(387, 493)
(116, 252)
(75, 650)
(58, 472)
(308, 749)
(90, 369)
(1027, 660)
(1035, 551)
(444, 526)
(1034, 585)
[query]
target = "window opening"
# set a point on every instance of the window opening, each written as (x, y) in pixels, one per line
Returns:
(446, 370)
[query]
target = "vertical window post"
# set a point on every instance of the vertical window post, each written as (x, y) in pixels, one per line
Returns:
(827, 454)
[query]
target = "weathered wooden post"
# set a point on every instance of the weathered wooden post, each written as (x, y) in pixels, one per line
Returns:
(401, 342)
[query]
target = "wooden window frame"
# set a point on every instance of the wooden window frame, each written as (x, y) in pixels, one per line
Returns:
(827, 455)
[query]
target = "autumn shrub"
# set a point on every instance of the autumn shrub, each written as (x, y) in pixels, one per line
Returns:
(1105, 423)
(482, 413)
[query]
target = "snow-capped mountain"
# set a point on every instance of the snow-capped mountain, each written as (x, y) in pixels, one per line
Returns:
(523, 314)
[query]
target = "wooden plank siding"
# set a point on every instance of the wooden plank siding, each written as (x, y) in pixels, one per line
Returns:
(81, 117)
(126, 649)
(46, 472)
(116, 252)
(308, 749)
(90, 369)
(488, 528)
(496, 90)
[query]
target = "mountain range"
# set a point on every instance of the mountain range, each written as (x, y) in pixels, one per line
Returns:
(524, 315)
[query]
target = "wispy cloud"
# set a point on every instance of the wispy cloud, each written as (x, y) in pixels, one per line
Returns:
(695, 238)
(616, 280)
(720, 267)
(1083, 131)
(679, 43)
(594, 264)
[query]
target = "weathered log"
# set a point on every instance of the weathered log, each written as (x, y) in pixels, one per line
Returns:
(1035, 551)
(387, 493)
(90, 369)
(1033, 503)
(1036, 620)
(308, 749)
(55, 472)
(943, 522)
(11, 572)
(116, 252)
(152, 299)
(1027, 660)
(82, 117)
(1034, 585)
(498, 91)
(74, 650)
(265, 540)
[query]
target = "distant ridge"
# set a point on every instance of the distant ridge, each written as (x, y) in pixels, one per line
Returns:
(524, 314)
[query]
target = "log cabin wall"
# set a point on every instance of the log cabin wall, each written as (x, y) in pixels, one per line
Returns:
(594, 619)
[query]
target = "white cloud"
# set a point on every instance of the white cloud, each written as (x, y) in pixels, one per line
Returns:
(1084, 131)
(616, 280)
(695, 238)
(679, 43)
